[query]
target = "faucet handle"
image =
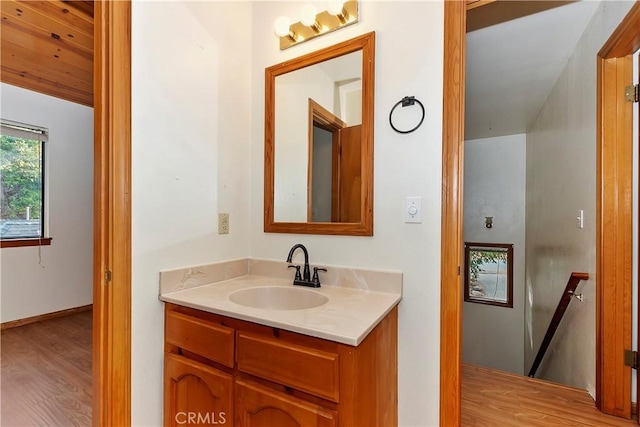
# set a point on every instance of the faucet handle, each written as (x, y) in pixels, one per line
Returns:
(297, 267)
(316, 279)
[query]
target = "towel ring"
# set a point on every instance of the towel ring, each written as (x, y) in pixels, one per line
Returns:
(406, 102)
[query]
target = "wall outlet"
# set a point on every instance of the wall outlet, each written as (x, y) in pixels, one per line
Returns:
(223, 223)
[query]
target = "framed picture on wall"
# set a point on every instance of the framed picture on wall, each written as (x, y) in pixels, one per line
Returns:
(488, 273)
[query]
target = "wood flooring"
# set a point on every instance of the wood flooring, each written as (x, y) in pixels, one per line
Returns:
(45, 373)
(45, 376)
(492, 398)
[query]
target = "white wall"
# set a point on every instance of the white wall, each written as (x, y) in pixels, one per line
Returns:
(494, 185)
(565, 134)
(409, 52)
(42, 280)
(190, 158)
(198, 116)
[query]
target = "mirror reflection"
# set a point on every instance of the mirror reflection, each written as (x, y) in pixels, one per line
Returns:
(319, 141)
(318, 118)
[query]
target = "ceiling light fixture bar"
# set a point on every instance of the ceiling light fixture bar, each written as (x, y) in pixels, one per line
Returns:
(339, 15)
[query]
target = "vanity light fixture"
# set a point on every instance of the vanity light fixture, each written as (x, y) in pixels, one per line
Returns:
(338, 14)
(309, 18)
(336, 8)
(282, 27)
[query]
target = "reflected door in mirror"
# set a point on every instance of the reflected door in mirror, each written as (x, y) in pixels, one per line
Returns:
(336, 175)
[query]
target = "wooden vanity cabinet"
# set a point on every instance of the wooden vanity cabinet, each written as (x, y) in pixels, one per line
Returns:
(194, 389)
(224, 371)
(259, 406)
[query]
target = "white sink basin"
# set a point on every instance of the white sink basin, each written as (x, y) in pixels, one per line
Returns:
(278, 298)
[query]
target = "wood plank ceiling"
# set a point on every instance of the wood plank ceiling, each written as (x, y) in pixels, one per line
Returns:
(47, 47)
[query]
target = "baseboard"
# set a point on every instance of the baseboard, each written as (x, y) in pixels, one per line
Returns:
(41, 317)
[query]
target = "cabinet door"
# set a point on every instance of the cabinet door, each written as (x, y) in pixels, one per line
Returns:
(259, 406)
(196, 394)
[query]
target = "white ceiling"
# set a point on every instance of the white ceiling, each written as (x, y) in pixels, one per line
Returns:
(345, 67)
(511, 67)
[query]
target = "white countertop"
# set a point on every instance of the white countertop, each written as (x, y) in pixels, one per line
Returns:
(347, 317)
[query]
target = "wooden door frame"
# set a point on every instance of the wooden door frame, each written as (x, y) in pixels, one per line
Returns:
(112, 214)
(622, 43)
(328, 121)
(455, 18)
(614, 216)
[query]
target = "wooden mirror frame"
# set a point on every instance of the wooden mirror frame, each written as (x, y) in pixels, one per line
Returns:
(365, 43)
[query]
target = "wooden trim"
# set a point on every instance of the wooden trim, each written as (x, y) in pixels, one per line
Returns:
(46, 316)
(614, 230)
(323, 117)
(16, 243)
(112, 215)
(311, 103)
(634, 407)
(472, 4)
(614, 216)
(625, 40)
(499, 12)
(451, 239)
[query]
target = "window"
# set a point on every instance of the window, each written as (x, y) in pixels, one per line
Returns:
(488, 277)
(22, 203)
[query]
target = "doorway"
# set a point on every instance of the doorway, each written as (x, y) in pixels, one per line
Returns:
(520, 147)
(47, 132)
(611, 263)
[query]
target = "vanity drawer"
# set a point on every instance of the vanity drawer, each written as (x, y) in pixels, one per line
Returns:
(310, 370)
(215, 342)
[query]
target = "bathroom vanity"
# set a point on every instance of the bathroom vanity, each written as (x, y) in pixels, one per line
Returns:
(249, 374)
(333, 364)
(244, 344)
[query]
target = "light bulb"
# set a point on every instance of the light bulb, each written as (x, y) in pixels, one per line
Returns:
(335, 7)
(308, 15)
(282, 26)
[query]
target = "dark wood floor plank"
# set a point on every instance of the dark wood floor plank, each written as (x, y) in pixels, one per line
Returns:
(45, 371)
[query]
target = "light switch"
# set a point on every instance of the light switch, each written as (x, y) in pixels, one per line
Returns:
(580, 219)
(413, 209)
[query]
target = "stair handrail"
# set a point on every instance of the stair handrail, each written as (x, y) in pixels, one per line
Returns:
(569, 291)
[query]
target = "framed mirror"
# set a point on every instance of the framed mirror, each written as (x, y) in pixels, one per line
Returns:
(318, 176)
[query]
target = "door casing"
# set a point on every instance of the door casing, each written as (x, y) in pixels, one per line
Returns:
(613, 307)
(112, 214)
